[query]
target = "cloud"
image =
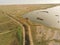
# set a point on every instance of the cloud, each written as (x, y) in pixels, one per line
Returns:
(28, 1)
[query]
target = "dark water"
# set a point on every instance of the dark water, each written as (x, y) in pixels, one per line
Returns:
(27, 41)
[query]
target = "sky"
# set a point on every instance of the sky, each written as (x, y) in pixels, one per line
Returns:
(3, 2)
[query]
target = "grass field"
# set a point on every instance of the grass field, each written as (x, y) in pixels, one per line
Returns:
(10, 32)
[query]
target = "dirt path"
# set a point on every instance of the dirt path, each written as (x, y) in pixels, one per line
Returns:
(20, 21)
(17, 21)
